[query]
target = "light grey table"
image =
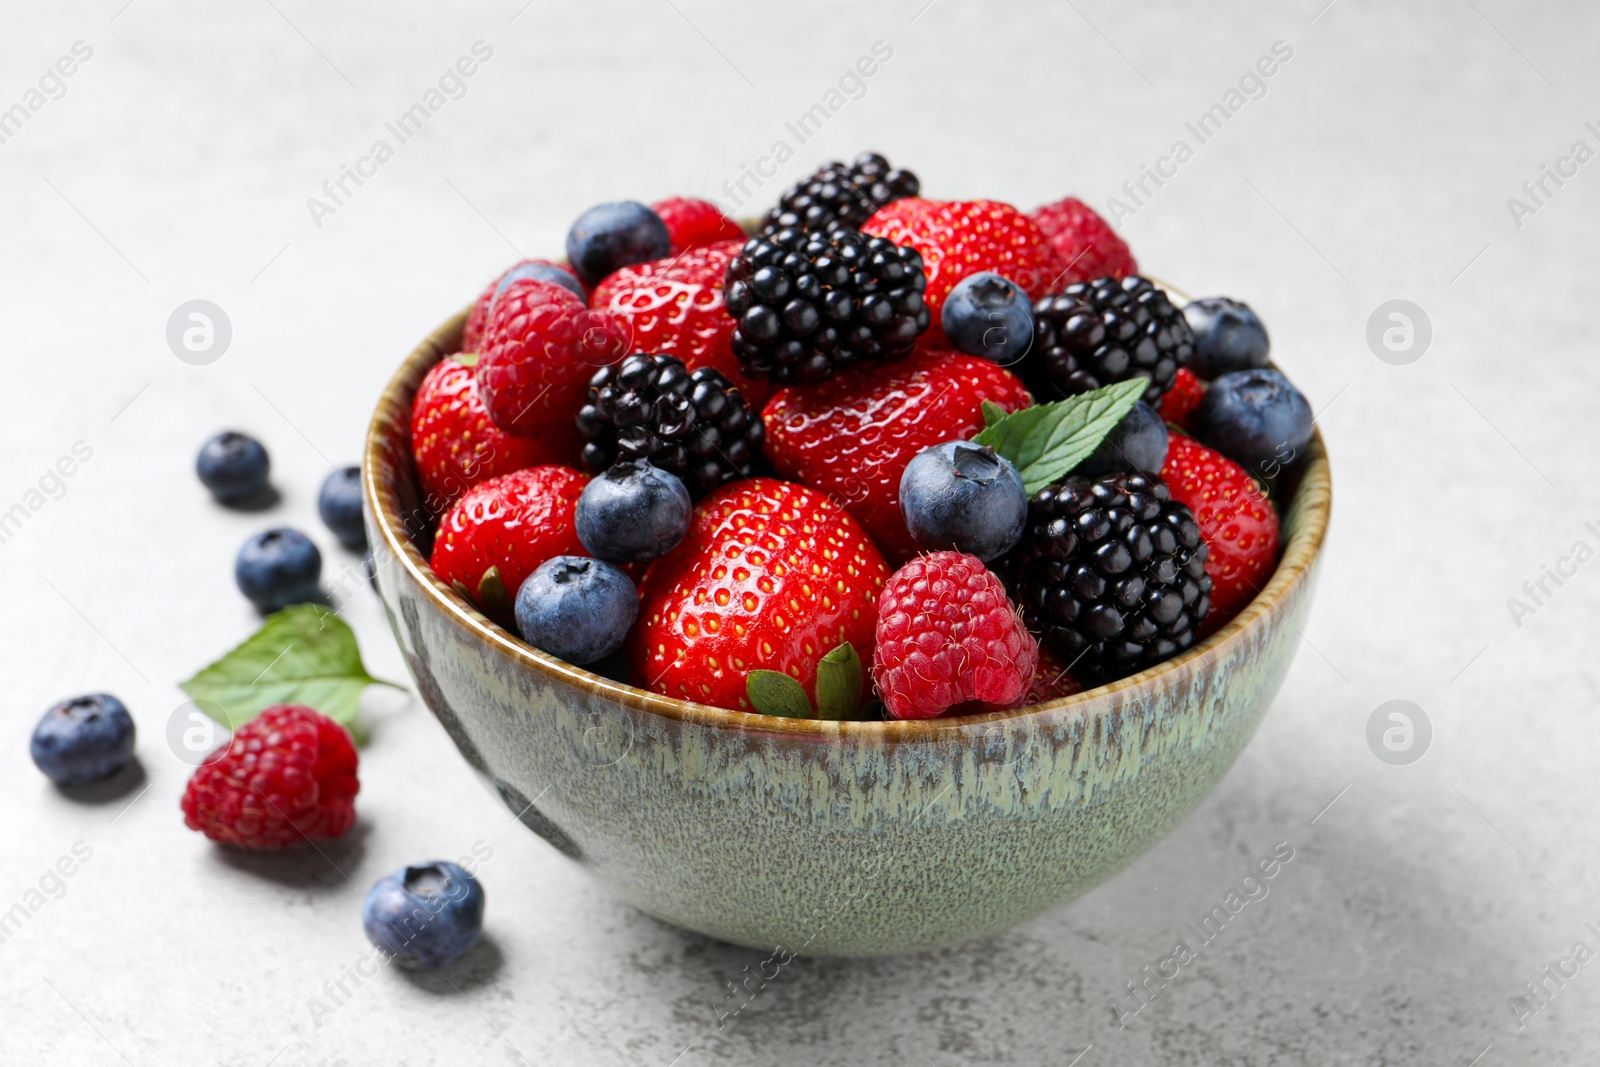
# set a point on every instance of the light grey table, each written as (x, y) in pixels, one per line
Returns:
(1374, 164)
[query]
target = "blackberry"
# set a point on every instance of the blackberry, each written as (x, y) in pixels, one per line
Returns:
(694, 424)
(1092, 334)
(838, 196)
(1110, 573)
(807, 303)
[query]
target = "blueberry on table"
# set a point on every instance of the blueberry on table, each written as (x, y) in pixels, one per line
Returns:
(576, 608)
(610, 236)
(1256, 418)
(339, 504)
(1228, 336)
(233, 466)
(963, 496)
(277, 568)
(83, 739)
(425, 916)
(633, 512)
(1137, 443)
(989, 316)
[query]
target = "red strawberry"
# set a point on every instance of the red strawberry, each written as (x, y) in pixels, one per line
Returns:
(1179, 402)
(771, 576)
(455, 444)
(512, 523)
(478, 317)
(1089, 248)
(542, 347)
(853, 434)
(674, 307)
(692, 223)
(1236, 520)
(961, 237)
(949, 639)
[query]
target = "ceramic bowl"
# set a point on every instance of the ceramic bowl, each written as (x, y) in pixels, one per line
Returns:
(827, 838)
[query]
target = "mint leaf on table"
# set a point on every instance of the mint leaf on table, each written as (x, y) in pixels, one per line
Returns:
(304, 654)
(1045, 442)
(839, 677)
(775, 693)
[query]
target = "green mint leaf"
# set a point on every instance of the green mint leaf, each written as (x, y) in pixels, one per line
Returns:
(839, 677)
(774, 693)
(992, 412)
(493, 597)
(304, 654)
(1045, 442)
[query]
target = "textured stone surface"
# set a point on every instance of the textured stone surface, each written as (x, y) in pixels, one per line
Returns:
(1377, 166)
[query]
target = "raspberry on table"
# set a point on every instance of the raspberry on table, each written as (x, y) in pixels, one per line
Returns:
(1110, 573)
(1089, 248)
(287, 775)
(949, 639)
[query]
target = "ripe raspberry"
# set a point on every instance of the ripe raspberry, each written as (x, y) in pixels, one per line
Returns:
(1089, 248)
(692, 223)
(478, 317)
(961, 237)
(541, 348)
(853, 435)
(287, 775)
(1179, 402)
(949, 639)
(1237, 522)
(456, 445)
(674, 308)
(512, 523)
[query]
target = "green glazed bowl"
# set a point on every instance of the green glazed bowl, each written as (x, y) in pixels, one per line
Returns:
(801, 836)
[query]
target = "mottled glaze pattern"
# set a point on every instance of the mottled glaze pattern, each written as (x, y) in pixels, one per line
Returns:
(828, 838)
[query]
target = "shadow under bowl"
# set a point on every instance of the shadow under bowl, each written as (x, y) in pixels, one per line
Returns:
(827, 838)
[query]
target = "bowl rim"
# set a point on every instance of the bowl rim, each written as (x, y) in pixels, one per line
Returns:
(1312, 503)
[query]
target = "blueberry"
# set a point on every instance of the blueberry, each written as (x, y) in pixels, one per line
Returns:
(425, 916)
(83, 739)
(1228, 336)
(633, 512)
(989, 316)
(1256, 418)
(539, 272)
(963, 496)
(339, 504)
(1137, 443)
(609, 236)
(233, 466)
(278, 568)
(576, 608)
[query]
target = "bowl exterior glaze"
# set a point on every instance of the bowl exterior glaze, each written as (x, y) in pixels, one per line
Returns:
(824, 838)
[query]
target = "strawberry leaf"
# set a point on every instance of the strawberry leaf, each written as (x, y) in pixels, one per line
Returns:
(304, 654)
(839, 677)
(467, 359)
(1045, 442)
(775, 693)
(992, 412)
(493, 597)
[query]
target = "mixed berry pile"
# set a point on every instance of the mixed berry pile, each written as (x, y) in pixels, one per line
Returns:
(886, 456)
